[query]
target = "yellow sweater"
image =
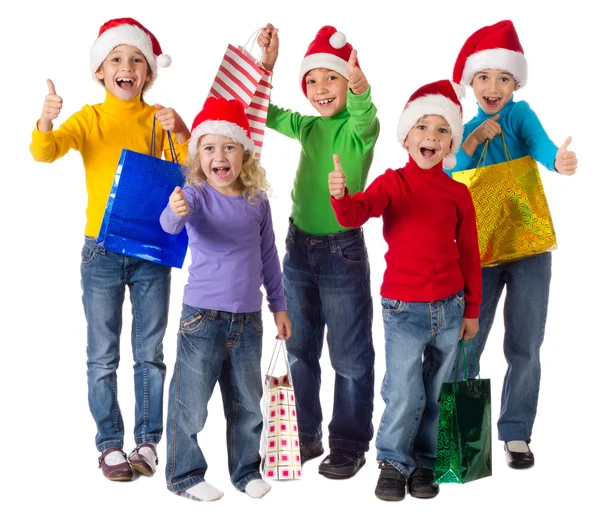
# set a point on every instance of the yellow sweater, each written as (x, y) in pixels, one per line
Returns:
(100, 132)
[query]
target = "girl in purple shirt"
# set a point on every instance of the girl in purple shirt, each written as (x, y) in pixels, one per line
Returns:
(227, 215)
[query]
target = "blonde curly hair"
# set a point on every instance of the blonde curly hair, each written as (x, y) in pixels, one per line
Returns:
(253, 176)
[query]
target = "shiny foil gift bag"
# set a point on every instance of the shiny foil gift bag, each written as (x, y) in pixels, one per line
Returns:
(280, 444)
(464, 443)
(513, 217)
(140, 191)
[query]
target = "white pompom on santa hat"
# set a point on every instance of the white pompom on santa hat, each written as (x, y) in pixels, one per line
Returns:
(329, 50)
(127, 31)
(492, 47)
(220, 116)
(438, 98)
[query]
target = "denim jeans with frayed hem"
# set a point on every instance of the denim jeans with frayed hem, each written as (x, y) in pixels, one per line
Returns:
(527, 283)
(421, 346)
(104, 277)
(215, 346)
(326, 279)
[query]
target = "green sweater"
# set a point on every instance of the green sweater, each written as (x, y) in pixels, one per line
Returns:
(351, 135)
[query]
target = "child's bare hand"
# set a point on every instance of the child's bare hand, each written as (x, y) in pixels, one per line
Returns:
(357, 82)
(337, 179)
(52, 107)
(566, 161)
(268, 40)
(283, 324)
(178, 203)
(489, 129)
(469, 328)
(169, 119)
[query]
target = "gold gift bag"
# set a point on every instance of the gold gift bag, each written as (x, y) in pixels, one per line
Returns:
(513, 217)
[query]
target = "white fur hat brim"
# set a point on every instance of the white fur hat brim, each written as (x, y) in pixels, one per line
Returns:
(509, 61)
(322, 60)
(123, 35)
(433, 104)
(224, 128)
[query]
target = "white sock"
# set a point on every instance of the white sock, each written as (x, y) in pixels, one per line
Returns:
(114, 458)
(204, 492)
(518, 446)
(257, 488)
(147, 453)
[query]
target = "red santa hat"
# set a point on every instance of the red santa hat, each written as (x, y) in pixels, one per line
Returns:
(329, 50)
(438, 98)
(493, 47)
(220, 116)
(127, 31)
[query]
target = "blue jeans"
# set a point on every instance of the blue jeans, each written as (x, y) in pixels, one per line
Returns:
(421, 346)
(327, 283)
(215, 346)
(527, 283)
(104, 277)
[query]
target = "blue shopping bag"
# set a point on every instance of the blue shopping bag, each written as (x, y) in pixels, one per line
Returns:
(140, 191)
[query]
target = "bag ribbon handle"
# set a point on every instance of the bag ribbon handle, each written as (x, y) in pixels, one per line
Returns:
(153, 143)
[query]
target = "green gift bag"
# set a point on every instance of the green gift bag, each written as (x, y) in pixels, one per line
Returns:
(464, 443)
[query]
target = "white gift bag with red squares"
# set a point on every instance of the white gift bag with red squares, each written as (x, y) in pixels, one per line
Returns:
(280, 448)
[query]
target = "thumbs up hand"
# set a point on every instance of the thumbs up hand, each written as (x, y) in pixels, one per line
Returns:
(566, 160)
(337, 179)
(357, 82)
(52, 107)
(178, 203)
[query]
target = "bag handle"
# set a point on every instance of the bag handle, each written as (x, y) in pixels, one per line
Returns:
(254, 39)
(153, 143)
(483, 155)
(464, 353)
(279, 348)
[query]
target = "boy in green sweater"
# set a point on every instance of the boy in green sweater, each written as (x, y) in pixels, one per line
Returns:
(326, 272)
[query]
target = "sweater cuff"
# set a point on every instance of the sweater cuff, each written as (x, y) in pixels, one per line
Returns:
(471, 310)
(358, 101)
(278, 305)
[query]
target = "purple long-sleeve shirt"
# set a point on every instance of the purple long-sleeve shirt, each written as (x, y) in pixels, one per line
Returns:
(233, 251)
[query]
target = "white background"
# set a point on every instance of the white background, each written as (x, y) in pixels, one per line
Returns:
(47, 454)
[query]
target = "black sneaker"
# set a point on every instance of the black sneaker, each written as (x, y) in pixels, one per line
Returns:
(311, 450)
(421, 484)
(341, 464)
(391, 485)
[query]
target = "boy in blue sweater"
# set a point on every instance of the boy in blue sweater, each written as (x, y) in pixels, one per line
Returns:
(492, 62)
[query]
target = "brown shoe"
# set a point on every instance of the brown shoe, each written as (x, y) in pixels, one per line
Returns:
(144, 465)
(118, 472)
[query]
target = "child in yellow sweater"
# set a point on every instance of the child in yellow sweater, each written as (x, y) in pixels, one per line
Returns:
(124, 59)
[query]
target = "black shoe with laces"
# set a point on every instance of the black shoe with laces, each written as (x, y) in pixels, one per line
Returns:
(391, 485)
(310, 450)
(342, 464)
(421, 484)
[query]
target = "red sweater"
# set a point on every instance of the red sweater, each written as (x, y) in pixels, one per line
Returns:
(429, 226)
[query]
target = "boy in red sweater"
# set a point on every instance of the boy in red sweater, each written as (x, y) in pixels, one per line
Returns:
(431, 288)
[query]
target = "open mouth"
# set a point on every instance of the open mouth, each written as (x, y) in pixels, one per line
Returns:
(126, 83)
(221, 172)
(427, 152)
(492, 102)
(325, 102)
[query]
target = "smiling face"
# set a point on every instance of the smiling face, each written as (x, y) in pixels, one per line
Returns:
(429, 141)
(493, 88)
(221, 159)
(327, 91)
(124, 72)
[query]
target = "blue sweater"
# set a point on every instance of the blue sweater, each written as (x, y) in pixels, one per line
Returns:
(523, 133)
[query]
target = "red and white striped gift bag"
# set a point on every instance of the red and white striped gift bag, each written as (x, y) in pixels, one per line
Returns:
(241, 77)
